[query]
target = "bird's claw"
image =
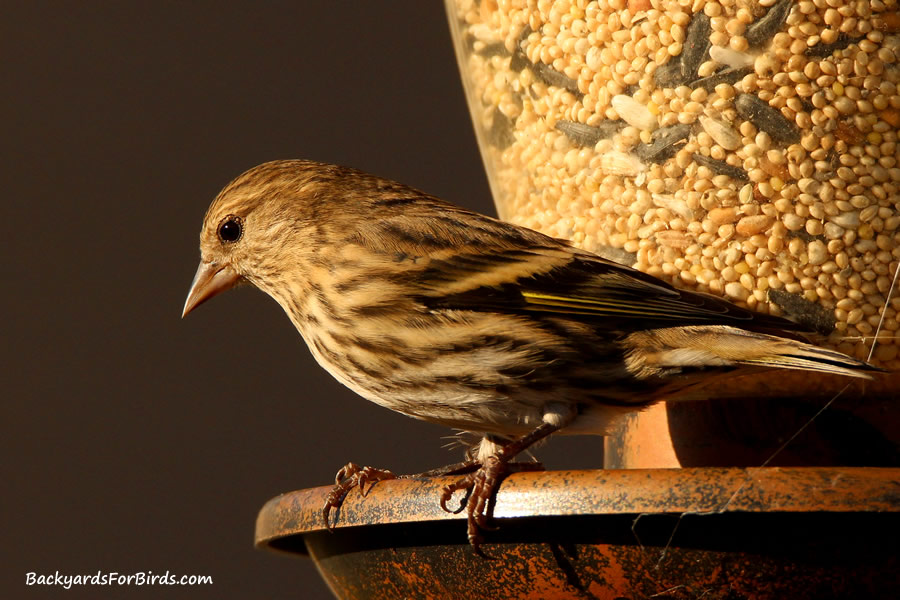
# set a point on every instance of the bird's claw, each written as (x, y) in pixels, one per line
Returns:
(464, 483)
(348, 477)
(481, 487)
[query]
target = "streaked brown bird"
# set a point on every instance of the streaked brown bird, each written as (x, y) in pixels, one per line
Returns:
(456, 318)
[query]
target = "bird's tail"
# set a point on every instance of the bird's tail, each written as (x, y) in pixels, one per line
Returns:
(709, 346)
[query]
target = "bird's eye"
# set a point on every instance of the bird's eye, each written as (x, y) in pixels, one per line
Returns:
(231, 229)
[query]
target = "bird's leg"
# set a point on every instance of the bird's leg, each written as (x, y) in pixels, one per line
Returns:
(483, 483)
(481, 480)
(466, 466)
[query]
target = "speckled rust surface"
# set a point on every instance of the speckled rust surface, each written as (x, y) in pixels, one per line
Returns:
(665, 533)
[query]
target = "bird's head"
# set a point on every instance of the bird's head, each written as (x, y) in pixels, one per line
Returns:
(251, 229)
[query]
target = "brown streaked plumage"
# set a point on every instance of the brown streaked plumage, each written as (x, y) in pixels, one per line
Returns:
(456, 318)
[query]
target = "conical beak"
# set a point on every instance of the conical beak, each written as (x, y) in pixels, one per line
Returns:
(211, 279)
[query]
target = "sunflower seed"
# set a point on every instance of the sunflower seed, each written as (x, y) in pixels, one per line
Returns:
(616, 255)
(764, 29)
(804, 312)
(500, 134)
(553, 77)
(805, 236)
(767, 118)
(825, 50)
(720, 167)
(518, 62)
(495, 49)
(665, 143)
(519, 59)
(696, 44)
(587, 135)
(723, 76)
(545, 72)
(669, 75)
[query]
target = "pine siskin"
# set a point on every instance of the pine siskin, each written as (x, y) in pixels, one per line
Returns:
(456, 318)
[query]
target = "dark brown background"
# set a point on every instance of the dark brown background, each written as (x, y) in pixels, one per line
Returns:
(132, 440)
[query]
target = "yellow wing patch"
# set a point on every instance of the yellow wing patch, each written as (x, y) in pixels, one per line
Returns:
(665, 308)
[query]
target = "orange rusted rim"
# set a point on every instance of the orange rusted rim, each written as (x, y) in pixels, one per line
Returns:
(600, 492)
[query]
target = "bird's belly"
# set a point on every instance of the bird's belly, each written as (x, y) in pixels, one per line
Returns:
(452, 404)
(462, 377)
(459, 391)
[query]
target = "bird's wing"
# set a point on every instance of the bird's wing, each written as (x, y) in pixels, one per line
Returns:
(565, 281)
(468, 261)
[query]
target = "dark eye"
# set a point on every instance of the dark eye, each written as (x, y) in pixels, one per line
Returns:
(231, 229)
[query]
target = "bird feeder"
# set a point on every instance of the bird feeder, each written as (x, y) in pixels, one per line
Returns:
(743, 149)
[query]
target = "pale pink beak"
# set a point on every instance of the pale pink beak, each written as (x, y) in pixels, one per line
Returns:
(210, 280)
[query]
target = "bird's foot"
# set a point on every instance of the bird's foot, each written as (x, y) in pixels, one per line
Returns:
(349, 477)
(480, 480)
(352, 475)
(481, 487)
